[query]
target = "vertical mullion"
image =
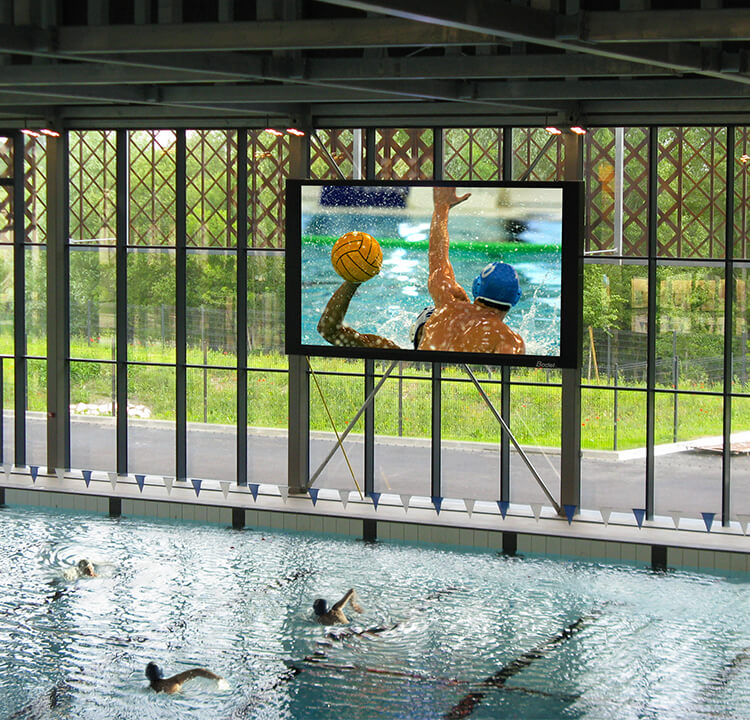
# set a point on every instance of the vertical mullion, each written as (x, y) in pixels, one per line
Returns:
(729, 293)
(436, 465)
(242, 307)
(653, 178)
(369, 383)
(507, 174)
(121, 293)
(19, 300)
(369, 429)
(181, 307)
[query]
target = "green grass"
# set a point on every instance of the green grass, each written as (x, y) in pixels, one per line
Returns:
(535, 408)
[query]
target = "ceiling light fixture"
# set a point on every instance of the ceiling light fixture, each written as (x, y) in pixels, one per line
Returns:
(274, 131)
(31, 133)
(50, 133)
(552, 130)
(578, 130)
(294, 131)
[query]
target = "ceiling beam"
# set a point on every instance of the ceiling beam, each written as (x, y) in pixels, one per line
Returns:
(269, 35)
(166, 68)
(519, 24)
(663, 25)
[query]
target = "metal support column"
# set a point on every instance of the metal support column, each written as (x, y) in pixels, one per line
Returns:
(181, 307)
(653, 158)
(369, 428)
(298, 447)
(436, 434)
(121, 290)
(242, 307)
(506, 174)
(58, 452)
(729, 294)
(570, 437)
(19, 285)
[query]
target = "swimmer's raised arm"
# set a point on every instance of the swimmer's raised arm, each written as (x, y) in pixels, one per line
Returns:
(333, 328)
(442, 282)
(174, 683)
(350, 597)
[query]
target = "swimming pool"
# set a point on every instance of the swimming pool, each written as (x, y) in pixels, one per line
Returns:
(638, 644)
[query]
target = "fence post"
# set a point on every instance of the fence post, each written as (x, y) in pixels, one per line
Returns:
(615, 410)
(675, 380)
(205, 362)
(400, 398)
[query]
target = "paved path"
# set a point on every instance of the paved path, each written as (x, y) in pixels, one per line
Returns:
(687, 481)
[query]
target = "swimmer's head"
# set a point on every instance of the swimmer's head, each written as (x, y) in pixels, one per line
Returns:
(497, 286)
(418, 325)
(153, 672)
(320, 607)
(86, 567)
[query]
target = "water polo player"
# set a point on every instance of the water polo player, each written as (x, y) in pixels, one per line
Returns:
(457, 324)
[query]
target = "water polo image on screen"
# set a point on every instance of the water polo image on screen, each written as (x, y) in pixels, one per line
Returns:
(417, 267)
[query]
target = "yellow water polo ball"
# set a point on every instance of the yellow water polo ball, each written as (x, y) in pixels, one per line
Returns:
(356, 256)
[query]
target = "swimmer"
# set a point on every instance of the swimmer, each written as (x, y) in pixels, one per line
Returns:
(174, 684)
(335, 615)
(85, 568)
(457, 324)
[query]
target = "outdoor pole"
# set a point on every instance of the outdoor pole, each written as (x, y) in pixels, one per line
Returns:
(505, 391)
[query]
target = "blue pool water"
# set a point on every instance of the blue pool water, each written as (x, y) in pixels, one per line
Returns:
(644, 645)
(388, 304)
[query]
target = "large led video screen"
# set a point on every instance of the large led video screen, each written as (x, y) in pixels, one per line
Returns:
(477, 272)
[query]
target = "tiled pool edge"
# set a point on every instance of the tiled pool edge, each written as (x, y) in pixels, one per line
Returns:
(654, 546)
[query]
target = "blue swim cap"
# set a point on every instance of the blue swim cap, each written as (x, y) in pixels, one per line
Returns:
(497, 286)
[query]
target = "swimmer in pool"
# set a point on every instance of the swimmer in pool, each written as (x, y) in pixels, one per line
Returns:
(174, 684)
(85, 568)
(457, 324)
(335, 615)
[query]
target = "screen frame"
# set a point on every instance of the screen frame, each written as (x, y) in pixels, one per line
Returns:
(571, 281)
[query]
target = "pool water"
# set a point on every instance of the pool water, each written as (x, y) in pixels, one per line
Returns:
(638, 645)
(388, 304)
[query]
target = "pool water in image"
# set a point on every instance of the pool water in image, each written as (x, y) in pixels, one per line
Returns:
(454, 633)
(388, 304)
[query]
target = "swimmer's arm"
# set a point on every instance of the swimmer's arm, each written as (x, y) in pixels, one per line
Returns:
(186, 675)
(350, 597)
(442, 282)
(332, 327)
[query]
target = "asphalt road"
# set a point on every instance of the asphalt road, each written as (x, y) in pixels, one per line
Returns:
(687, 481)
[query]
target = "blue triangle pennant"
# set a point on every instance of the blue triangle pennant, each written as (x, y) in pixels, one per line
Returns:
(34, 470)
(503, 505)
(570, 510)
(254, 490)
(375, 498)
(313, 495)
(141, 480)
(708, 519)
(639, 513)
(86, 476)
(196, 485)
(437, 501)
